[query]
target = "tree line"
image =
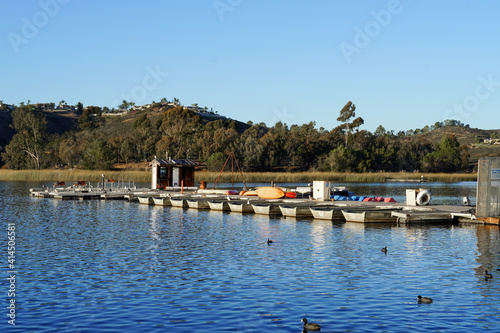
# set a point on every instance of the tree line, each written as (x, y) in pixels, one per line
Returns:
(98, 142)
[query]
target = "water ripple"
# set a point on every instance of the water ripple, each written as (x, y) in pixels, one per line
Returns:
(95, 266)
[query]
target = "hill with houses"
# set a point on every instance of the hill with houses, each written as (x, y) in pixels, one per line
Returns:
(142, 126)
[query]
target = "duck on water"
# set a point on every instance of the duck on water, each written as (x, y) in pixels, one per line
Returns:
(310, 326)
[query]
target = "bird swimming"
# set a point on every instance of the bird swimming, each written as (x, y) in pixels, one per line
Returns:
(487, 275)
(269, 241)
(424, 299)
(310, 326)
(384, 249)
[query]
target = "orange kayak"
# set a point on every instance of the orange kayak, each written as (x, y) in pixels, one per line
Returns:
(268, 192)
(248, 193)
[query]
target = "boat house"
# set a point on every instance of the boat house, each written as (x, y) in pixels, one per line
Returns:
(172, 173)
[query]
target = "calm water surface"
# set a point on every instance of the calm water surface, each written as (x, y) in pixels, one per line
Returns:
(114, 266)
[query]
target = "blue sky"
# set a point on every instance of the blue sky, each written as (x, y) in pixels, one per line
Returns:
(404, 64)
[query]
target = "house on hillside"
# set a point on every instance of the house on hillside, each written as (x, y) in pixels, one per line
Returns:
(6, 107)
(492, 141)
(172, 173)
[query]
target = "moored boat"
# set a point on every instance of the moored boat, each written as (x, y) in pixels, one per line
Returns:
(146, 200)
(179, 202)
(162, 201)
(241, 206)
(375, 215)
(327, 212)
(296, 209)
(221, 205)
(266, 208)
(198, 203)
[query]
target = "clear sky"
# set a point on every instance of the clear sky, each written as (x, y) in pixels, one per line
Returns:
(404, 64)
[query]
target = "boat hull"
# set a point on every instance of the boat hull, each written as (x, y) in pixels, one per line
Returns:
(370, 216)
(179, 202)
(327, 213)
(219, 205)
(162, 202)
(240, 206)
(198, 204)
(266, 209)
(296, 211)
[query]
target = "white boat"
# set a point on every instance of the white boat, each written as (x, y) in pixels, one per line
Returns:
(163, 201)
(376, 215)
(222, 205)
(179, 202)
(146, 200)
(198, 203)
(266, 208)
(241, 206)
(296, 210)
(324, 212)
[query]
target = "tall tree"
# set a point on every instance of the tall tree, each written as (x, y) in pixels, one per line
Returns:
(30, 138)
(125, 105)
(79, 108)
(97, 155)
(346, 114)
(447, 157)
(69, 150)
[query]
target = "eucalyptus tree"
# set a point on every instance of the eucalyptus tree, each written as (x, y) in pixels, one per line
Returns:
(26, 147)
(346, 114)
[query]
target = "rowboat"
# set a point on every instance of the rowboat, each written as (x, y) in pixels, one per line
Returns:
(266, 208)
(375, 215)
(163, 201)
(333, 213)
(146, 200)
(198, 203)
(296, 209)
(179, 202)
(221, 205)
(240, 206)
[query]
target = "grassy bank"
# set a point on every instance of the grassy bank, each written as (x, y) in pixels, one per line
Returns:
(284, 177)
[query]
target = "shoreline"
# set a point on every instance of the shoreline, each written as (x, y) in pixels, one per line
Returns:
(254, 177)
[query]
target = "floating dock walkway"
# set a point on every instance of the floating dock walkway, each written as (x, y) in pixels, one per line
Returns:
(336, 211)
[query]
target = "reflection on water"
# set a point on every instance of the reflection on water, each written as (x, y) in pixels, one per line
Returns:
(95, 266)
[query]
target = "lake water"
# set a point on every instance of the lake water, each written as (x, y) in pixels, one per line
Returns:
(115, 266)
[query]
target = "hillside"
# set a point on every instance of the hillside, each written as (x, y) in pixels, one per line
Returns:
(473, 138)
(58, 122)
(93, 139)
(62, 121)
(6, 132)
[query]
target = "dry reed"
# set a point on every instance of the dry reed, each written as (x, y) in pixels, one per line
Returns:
(72, 175)
(145, 176)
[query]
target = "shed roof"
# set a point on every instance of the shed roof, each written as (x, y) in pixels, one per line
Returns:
(172, 162)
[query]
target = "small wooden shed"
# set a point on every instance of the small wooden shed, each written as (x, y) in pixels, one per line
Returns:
(172, 173)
